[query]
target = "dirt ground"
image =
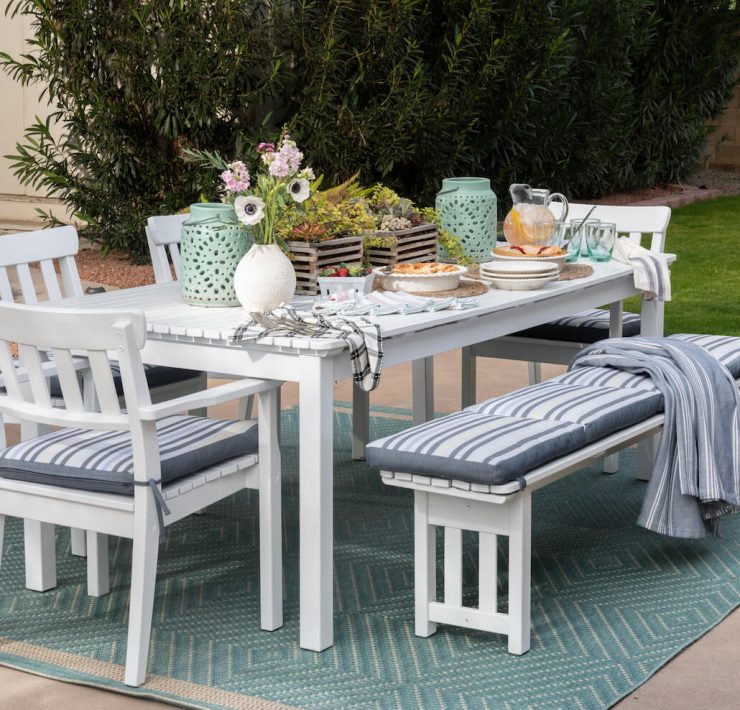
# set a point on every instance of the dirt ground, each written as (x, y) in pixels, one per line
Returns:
(115, 269)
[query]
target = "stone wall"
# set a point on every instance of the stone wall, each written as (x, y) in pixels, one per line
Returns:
(723, 150)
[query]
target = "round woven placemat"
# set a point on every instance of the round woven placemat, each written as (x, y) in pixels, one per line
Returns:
(575, 271)
(466, 289)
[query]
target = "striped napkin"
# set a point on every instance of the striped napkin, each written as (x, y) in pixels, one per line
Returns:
(650, 268)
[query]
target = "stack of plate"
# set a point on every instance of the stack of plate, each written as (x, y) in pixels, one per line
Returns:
(519, 275)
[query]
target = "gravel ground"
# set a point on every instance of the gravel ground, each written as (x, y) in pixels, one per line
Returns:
(115, 270)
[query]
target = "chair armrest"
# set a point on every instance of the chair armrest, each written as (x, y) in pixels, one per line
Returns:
(208, 398)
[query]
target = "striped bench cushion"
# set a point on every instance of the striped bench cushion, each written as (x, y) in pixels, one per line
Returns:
(475, 447)
(598, 410)
(584, 327)
(102, 461)
(724, 347)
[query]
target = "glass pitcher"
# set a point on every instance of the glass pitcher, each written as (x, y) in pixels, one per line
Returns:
(529, 220)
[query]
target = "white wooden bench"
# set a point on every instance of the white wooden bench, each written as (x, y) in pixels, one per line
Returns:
(494, 508)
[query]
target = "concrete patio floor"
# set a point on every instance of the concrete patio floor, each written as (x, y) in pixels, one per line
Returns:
(704, 675)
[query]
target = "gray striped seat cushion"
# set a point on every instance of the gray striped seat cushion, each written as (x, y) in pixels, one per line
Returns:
(585, 327)
(598, 410)
(606, 377)
(724, 347)
(102, 461)
(475, 447)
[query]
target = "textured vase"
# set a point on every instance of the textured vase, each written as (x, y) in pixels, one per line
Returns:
(211, 246)
(467, 207)
(264, 279)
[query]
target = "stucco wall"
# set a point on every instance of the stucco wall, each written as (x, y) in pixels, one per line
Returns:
(19, 106)
(723, 151)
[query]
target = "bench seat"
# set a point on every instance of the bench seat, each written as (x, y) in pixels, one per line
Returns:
(476, 470)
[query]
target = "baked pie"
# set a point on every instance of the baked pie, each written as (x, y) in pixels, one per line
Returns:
(425, 268)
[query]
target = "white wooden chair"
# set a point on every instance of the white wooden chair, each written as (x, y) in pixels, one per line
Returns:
(163, 234)
(542, 344)
(162, 480)
(57, 247)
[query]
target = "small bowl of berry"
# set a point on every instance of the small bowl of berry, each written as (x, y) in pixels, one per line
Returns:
(344, 281)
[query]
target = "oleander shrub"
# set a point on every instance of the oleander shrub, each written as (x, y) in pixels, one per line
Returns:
(586, 97)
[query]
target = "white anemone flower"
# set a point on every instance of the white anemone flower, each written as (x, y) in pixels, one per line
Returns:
(249, 209)
(299, 189)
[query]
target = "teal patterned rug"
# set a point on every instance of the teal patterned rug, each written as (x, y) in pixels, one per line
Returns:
(611, 603)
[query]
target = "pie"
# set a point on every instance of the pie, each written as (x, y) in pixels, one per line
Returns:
(425, 268)
(529, 250)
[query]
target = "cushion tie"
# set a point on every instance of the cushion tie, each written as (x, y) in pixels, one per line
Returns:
(159, 503)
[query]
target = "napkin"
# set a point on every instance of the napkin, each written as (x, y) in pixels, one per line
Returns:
(364, 339)
(650, 268)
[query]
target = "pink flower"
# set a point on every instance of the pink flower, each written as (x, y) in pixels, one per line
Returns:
(266, 148)
(236, 179)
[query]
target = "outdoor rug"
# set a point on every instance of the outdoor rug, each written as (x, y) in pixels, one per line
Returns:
(611, 603)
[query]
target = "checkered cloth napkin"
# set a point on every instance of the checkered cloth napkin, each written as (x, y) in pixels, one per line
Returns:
(363, 338)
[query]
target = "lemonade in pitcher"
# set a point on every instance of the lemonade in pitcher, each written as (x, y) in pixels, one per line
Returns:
(530, 221)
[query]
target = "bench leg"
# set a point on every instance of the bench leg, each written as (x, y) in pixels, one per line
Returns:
(425, 565)
(520, 571)
(41, 563)
(78, 542)
(488, 572)
(611, 463)
(534, 371)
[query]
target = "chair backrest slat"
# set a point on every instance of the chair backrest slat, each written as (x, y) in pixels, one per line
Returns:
(104, 386)
(70, 276)
(68, 380)
(6, 291)
(51, 281)
(8, 377)
(31, 359)
(163, 233)
(25, 280)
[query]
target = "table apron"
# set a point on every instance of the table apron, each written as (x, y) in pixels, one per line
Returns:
(439, 339)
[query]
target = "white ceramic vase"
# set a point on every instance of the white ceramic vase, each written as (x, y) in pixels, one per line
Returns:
(264, 279)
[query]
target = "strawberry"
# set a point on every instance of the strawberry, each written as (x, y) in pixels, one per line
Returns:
(342, 271)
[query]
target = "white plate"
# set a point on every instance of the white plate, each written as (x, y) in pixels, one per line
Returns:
(558, 260)
(419, 283)
(511, 284)
(518, 267)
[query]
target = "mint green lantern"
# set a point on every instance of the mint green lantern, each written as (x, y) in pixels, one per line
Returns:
(211, 246)
(467, 208)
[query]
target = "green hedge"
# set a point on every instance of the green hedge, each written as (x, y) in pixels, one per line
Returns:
(585, 97)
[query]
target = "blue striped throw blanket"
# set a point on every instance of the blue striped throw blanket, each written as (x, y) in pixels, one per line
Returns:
(696, 476)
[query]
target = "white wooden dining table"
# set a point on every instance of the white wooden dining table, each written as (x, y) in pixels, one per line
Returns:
(199, 338)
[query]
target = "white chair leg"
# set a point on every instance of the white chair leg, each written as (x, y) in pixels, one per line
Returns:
(98, 573)
(425, 565)
(520, 571)
(611, 463)
(143, 578)
(360, 422)
(271, 553)
(468, 378)
(78, 542)
(534, 371)
(245, 407)
(40, 553)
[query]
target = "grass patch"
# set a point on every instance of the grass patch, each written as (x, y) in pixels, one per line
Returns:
(705, 236)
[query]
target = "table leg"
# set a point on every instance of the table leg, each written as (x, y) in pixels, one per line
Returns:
(360, 422)
(316, 432)
(422, 386)
(652, 323)
(616, 310)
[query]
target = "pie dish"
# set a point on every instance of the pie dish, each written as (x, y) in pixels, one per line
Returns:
(419, 277)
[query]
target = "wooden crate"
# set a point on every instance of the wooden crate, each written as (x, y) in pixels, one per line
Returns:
(414, 244)
(309, 258)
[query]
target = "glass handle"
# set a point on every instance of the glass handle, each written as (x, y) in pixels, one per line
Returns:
(561, 198)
